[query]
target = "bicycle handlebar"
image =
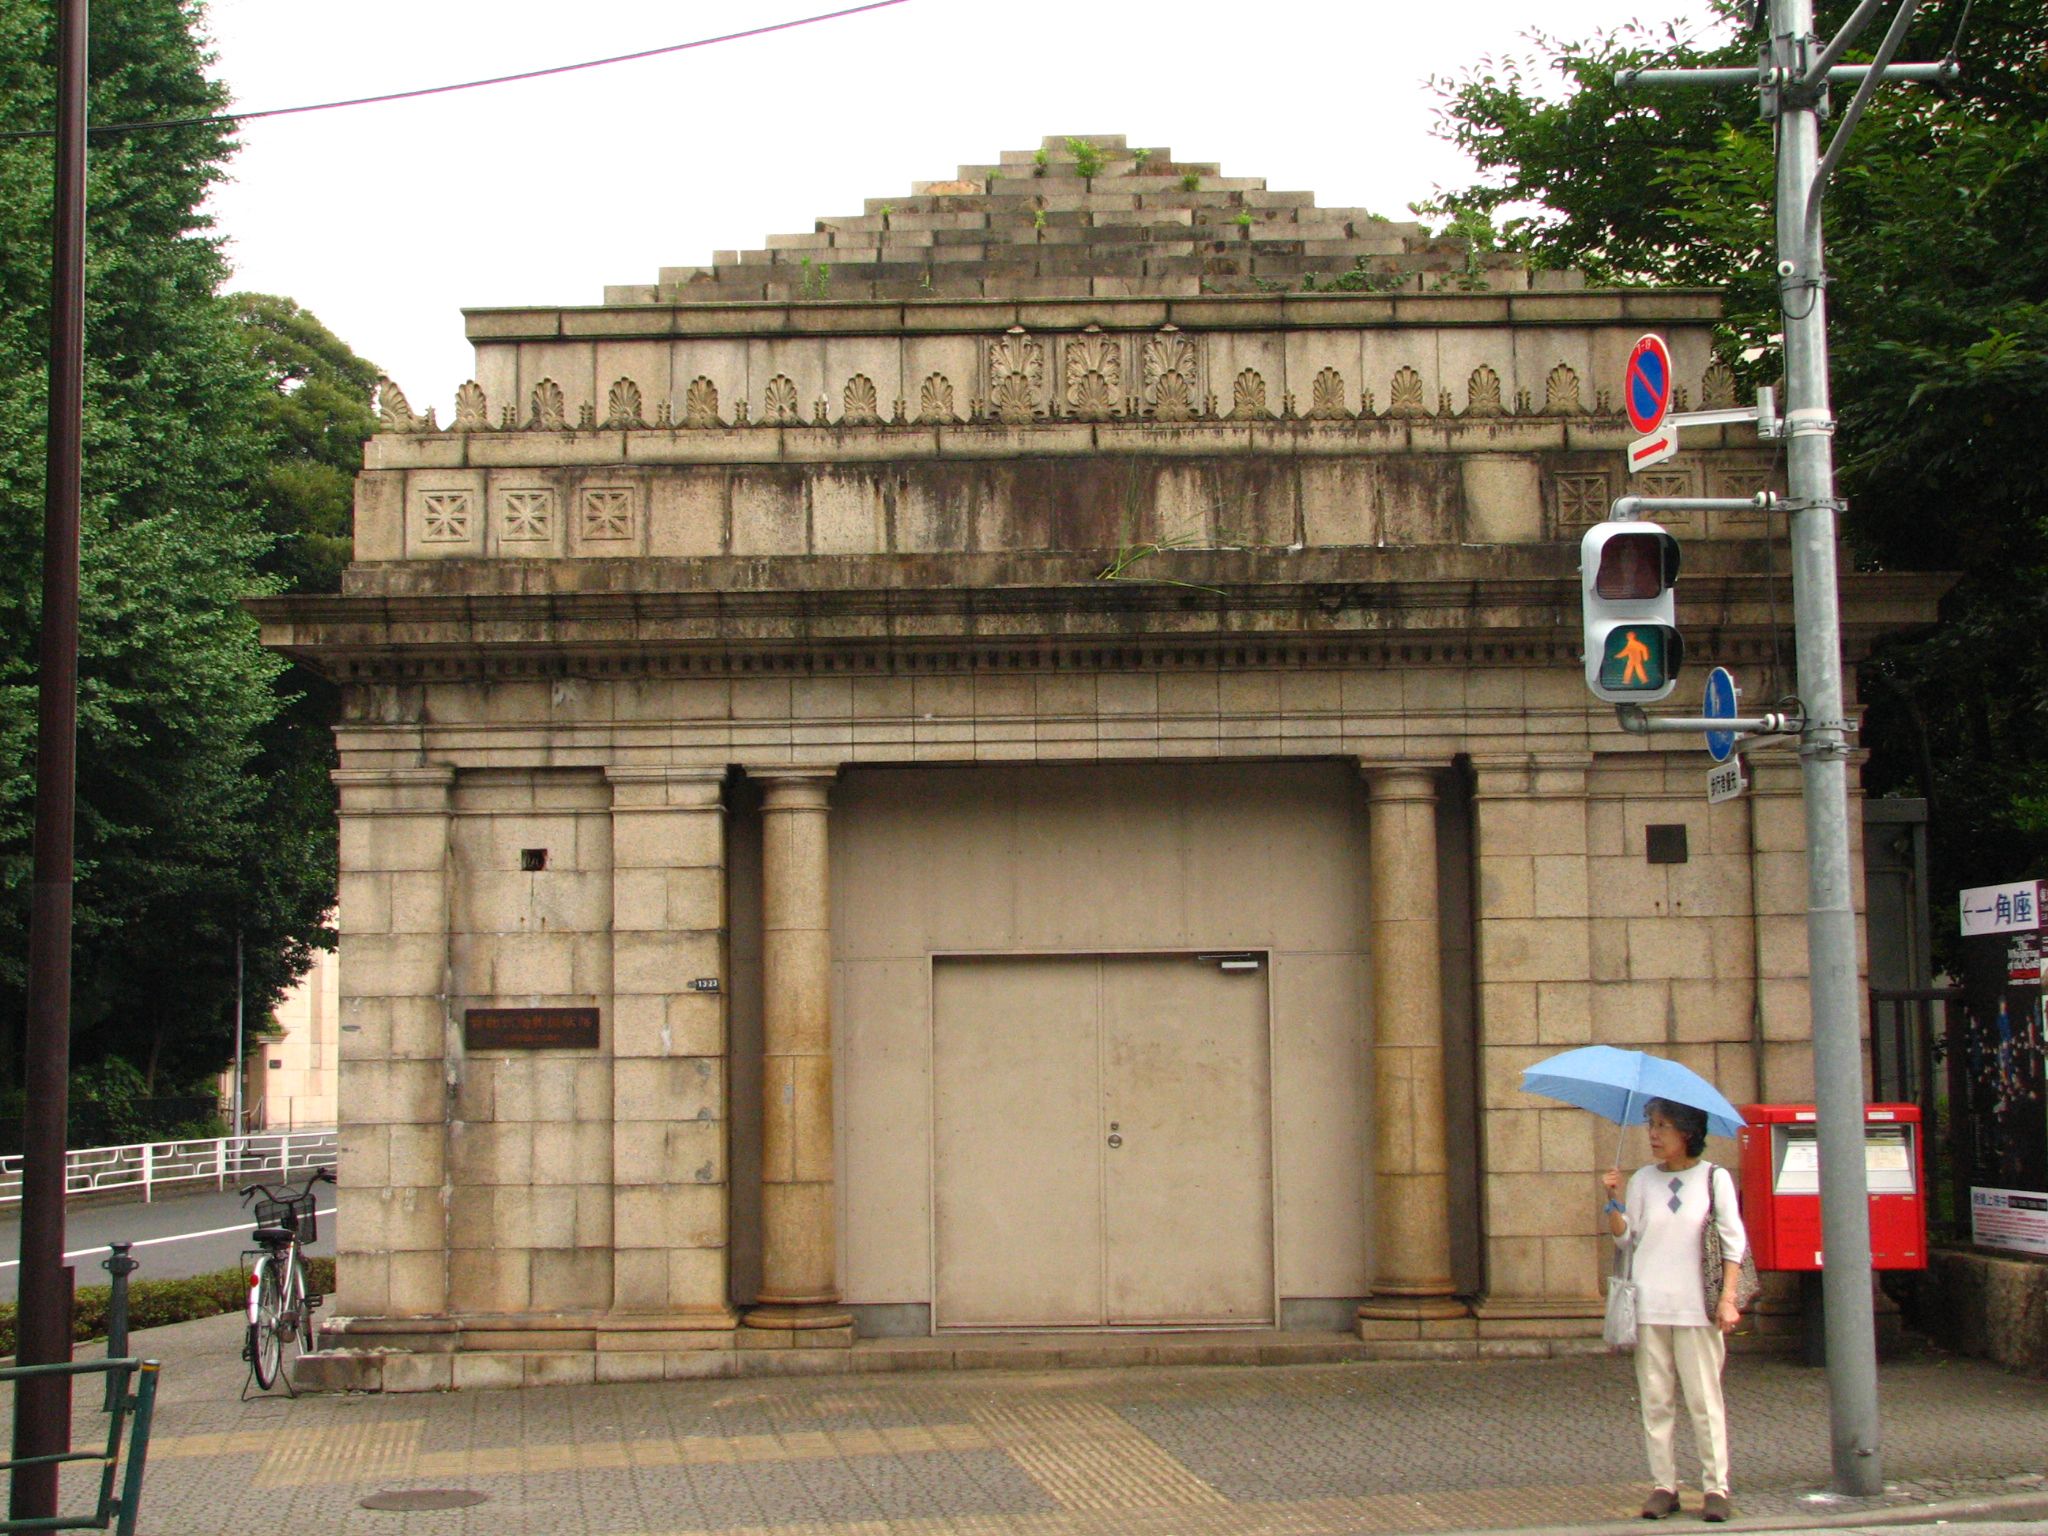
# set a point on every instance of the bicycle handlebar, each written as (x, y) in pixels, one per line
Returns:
(270, 1192)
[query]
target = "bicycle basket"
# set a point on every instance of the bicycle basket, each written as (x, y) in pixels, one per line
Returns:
(293, 1215)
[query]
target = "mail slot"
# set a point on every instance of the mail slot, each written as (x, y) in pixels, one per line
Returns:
(1781, 1185)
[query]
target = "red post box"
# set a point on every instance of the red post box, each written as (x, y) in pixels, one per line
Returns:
(1781, 1185)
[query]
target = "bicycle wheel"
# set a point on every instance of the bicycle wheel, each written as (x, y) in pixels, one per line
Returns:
(266, 1341)
(301, 1315)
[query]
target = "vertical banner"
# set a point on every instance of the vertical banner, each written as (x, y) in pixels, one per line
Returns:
(2005, 1067)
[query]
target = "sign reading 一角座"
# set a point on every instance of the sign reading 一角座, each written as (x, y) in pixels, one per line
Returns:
(529, 1029)
(2012, 908)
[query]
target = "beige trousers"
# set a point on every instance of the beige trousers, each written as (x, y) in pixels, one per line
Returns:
(1669, 1358)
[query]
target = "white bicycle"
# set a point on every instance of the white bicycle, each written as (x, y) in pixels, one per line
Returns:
(281, 1305)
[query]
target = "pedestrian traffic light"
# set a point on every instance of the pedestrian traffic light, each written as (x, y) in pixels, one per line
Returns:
(1633, 648)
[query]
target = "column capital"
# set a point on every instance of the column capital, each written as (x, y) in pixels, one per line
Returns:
(1401, 781)
(794, 789)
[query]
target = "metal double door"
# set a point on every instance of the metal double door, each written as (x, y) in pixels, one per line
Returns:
(1102, 1143)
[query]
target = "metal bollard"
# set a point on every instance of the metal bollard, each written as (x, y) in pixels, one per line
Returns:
(120, 1266)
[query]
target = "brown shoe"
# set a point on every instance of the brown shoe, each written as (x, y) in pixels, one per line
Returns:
(1661, 1502)
(1716, 1508)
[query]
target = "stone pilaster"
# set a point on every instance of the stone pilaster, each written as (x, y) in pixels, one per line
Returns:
(799, 1239)
(1537, 967)
(670, 1189)
(1411, 1281)
(393, 915)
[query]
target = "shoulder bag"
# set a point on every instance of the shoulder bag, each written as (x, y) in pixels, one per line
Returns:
(1747, 1282)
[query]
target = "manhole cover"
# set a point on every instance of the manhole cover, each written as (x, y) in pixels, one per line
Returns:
(424, 1498)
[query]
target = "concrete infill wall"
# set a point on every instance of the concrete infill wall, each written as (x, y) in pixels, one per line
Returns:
(1991, 1307)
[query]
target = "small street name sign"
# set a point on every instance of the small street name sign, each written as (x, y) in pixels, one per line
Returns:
(1725, 781)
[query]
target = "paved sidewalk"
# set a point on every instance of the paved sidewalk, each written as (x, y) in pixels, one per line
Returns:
(1282, 1451)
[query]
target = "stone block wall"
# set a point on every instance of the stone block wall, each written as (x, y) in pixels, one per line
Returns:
(529, 1136)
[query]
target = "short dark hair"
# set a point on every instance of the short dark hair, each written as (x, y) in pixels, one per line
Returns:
(1688, 1122)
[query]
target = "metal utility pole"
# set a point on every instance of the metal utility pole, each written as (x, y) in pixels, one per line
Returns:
(1794, 77)
(241, 1067)
(42, 1405)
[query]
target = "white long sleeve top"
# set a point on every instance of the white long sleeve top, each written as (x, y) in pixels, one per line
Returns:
(1665, 1242)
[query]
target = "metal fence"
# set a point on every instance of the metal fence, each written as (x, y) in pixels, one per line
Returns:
(1917, 1057)
(179, 1166)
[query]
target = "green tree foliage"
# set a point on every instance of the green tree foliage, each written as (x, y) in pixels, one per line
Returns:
(316, 415)
(1938, 325)
(186, 833)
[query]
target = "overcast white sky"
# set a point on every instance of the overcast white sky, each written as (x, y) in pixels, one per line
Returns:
(386, 221)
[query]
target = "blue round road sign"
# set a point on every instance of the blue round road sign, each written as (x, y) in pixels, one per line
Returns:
(1720, 705)
(1646, 384)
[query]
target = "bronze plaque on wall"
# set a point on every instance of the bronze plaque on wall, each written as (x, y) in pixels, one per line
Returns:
(529, 1029)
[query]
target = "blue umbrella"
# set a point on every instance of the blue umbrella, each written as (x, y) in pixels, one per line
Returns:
(1617, 1083)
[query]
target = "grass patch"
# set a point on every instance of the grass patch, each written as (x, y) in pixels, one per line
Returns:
(154, 1303)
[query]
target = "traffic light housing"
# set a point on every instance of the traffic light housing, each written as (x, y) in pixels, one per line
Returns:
(1626, 575)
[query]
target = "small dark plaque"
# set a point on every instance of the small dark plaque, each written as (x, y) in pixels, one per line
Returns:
(529, 1029)
(1666, 843)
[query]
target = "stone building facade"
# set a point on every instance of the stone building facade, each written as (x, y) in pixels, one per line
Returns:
(1044, 721)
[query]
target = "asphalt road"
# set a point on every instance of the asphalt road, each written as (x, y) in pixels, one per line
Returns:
(163, 1232)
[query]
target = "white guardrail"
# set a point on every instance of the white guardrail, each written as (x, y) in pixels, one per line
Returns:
(221, 1161)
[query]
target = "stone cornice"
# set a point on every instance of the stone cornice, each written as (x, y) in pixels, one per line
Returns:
(1482, 614)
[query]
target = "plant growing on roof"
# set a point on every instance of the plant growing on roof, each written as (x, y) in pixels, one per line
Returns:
(1191, 181)
(1039, 160)
(1087, 158)
(815, 279)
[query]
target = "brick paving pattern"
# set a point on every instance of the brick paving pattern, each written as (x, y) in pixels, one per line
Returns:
(1285, 1451)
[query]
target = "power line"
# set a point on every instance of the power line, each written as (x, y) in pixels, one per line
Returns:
(466, 85)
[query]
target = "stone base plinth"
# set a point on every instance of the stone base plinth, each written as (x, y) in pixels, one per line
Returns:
(1392, 1319)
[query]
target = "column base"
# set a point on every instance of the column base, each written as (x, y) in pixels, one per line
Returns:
(1414, 1317)
(798, 1316)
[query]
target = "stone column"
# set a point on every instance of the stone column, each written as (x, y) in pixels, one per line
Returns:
(799, 1238)
(670, 1196)
(1411, 1283)
(392, 1101)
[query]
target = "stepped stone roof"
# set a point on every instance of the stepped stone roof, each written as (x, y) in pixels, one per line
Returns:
(1089, 217)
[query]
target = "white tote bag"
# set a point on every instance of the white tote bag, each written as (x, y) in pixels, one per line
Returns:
(1620, 1328)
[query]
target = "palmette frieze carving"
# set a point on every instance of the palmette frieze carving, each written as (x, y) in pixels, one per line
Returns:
(394, 413)
(1170, 366)
(1482, 392)
(1248, 396)
(622, 407)
(548, 412)
(935, 400)
(1717, 387)
(1016, 376)
(778, 401)
(1100, 376)
(1561, 392)
(1095, 371)
(472, 411)
(1404, 396)
(700, 404)
(1327, 398)
(859, 405)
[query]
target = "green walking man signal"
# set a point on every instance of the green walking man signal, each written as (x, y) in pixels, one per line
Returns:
(1633, 649)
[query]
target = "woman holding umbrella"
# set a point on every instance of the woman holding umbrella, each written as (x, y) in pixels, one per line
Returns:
(1662, 1221)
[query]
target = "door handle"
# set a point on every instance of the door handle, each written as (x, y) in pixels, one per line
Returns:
(1116, 1141)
